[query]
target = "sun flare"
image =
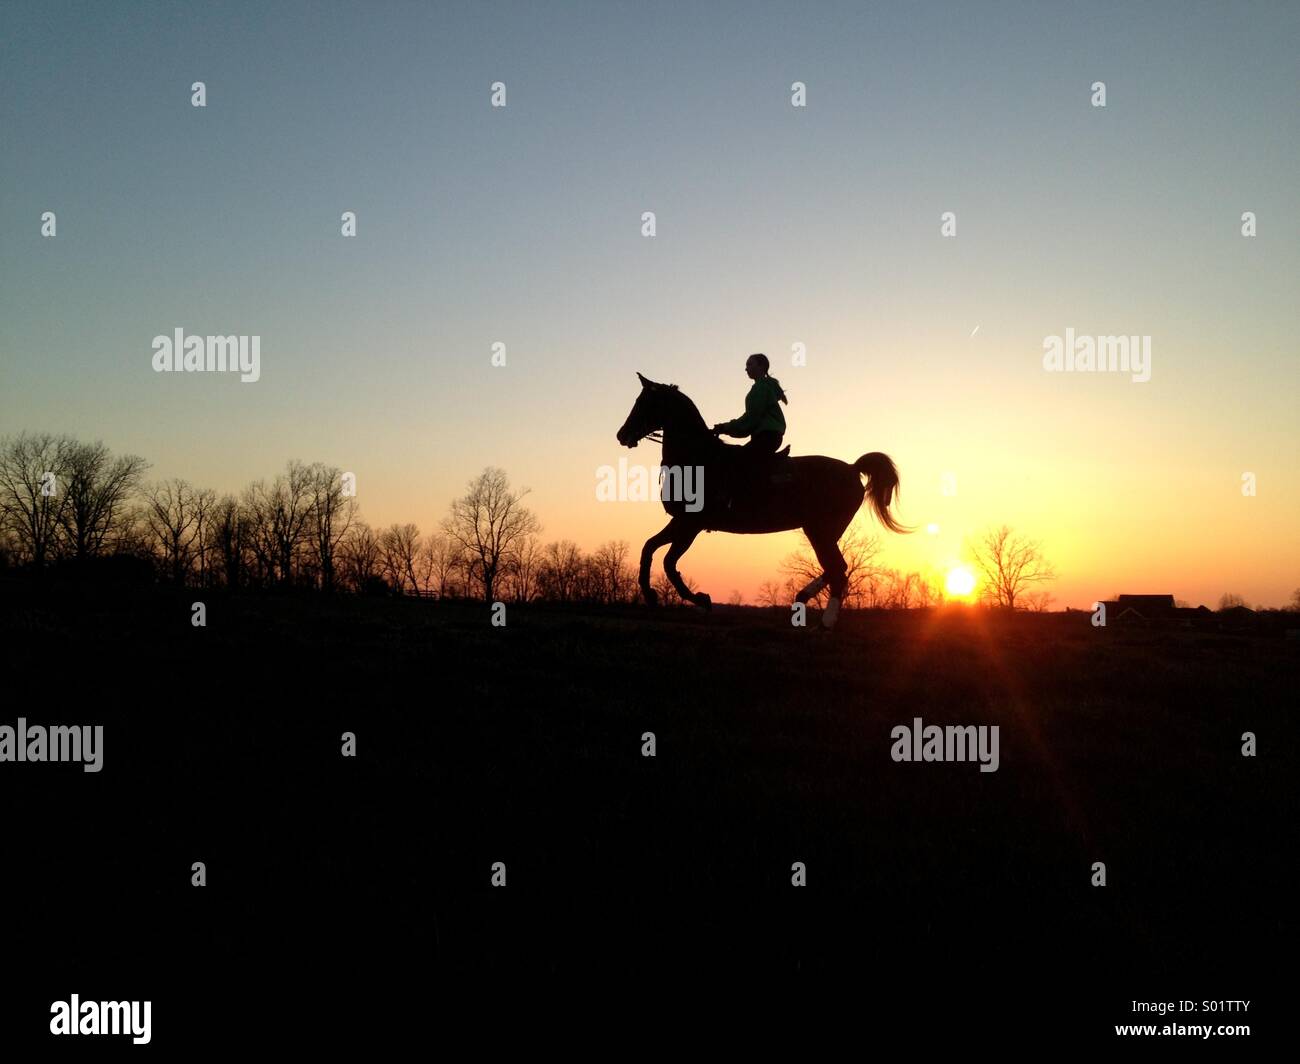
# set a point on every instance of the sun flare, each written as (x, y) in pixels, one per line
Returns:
(960, 582)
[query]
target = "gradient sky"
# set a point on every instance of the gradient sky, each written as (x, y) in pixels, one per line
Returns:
(776, 225)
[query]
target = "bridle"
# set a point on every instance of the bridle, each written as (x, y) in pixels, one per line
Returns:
(654, 435)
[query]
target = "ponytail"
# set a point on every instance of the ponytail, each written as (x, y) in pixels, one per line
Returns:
(761, 359)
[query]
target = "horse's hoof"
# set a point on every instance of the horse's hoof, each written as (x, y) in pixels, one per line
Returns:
(704, 602)
(651, 598)
(831, 613)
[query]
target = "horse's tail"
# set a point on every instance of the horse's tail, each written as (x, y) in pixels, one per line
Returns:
(882, 486)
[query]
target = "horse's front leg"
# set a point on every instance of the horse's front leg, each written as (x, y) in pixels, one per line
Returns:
(664, 535)
(681, 544)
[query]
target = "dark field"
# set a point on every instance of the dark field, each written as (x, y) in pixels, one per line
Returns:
(360, 887)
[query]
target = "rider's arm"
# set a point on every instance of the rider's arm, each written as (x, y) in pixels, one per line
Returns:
(755, 403)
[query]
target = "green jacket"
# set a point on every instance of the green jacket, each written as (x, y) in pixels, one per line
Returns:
(762, 410)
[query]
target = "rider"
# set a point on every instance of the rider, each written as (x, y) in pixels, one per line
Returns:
(762, 420)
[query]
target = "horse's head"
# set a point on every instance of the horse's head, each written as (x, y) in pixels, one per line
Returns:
(649, 412)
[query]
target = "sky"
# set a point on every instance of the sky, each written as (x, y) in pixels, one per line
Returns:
(776, 226)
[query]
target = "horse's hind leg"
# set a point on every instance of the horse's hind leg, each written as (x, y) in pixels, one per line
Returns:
(835, 571)
(811, 589)
(664, 535)
(681, 544)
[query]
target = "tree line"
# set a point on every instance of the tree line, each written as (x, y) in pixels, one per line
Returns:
(67, 503)
(64, 502)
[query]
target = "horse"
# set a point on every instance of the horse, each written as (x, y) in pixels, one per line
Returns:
(816, 494)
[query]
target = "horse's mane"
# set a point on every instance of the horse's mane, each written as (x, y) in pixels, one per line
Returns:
(684, 400)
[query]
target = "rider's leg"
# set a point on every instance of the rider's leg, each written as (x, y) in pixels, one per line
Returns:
(758, 455)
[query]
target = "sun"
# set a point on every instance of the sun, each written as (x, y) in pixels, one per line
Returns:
(960, 582)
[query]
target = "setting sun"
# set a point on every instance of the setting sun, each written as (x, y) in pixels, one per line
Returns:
(960, 582)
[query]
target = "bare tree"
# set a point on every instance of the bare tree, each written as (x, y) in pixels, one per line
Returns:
(1010, 565)
(523, 568)
(668, 595)
(131, 535)
(171, 519)
(489, 523)
(359, 557)
(33, 491)
(896, 590)
(279, 518)
(291, 496)
(590, 586)
(1228, 600)
(205, 544)
(399, 545)
(443, 565)
(617, 577)
(331, 515)
(255, 506)
(928, 593)
(560, 572)
(1040, 601)
(859, 549)
(99, 488)
(229, 529)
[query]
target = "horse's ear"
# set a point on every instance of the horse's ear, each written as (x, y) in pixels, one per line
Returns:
(644, 383)
(673, 387)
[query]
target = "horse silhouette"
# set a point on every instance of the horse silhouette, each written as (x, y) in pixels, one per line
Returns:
(816, 494)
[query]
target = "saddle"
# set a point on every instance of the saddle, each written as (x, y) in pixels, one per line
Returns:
(754, 476)
(777, 471)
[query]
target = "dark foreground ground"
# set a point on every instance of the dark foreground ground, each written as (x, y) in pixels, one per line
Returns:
(350, 898)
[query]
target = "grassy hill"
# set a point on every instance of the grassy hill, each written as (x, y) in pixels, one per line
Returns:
(523, 744)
